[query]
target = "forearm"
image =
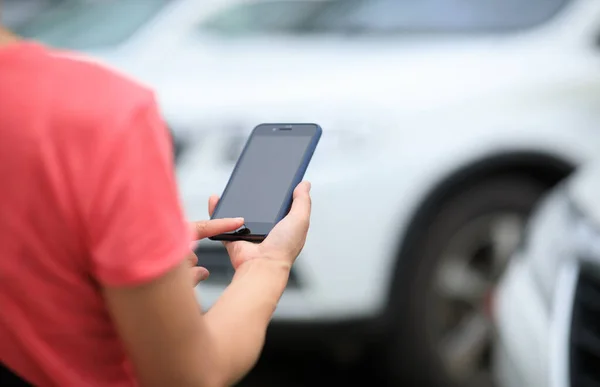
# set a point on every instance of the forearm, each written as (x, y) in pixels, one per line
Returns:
(239, 319)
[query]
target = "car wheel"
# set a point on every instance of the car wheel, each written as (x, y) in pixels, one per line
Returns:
(440, 307)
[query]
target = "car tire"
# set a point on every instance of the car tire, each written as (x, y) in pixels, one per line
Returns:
(414, 336)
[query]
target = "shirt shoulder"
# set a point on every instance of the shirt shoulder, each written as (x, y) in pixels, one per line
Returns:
(96, 96)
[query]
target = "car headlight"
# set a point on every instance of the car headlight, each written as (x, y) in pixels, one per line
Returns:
(557, 232)
(184, 140)
(232, 147)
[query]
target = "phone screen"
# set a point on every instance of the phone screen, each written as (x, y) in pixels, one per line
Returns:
(263, 177)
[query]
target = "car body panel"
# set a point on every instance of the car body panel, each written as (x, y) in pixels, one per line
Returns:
(585, 191)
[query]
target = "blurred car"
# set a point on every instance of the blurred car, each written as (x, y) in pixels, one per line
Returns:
(548, 304)
(444, 123)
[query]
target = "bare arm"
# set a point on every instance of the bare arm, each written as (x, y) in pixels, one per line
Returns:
(138, 239)
(239, 320)
(164, 332)
(171, 343)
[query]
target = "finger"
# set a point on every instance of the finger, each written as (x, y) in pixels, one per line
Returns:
(192, 259)
(212, 204)
(199, 274)
(301, 203)
(208, 228)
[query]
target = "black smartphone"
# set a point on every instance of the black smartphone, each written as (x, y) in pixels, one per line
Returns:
(271, 165)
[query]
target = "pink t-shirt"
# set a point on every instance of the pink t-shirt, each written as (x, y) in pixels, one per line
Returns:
(88, 198)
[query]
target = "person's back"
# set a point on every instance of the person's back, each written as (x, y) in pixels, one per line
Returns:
(60, 123)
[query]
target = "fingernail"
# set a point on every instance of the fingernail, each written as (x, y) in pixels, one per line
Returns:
(239, 219)
(309, 185)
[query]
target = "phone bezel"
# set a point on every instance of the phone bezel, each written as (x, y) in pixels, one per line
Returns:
(257, 231)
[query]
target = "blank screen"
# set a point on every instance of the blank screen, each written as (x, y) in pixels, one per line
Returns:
(263, 177)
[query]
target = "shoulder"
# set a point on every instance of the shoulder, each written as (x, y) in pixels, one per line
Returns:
(97, 96)
(96, 112)
(86, 72)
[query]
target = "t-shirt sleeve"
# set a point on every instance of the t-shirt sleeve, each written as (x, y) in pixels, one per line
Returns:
(136, 224)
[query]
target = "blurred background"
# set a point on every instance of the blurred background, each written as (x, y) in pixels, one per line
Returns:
(446, 124)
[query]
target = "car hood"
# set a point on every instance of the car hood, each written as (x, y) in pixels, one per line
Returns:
(410, 74)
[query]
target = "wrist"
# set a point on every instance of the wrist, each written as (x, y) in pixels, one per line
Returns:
(265, 263)
(264, 280)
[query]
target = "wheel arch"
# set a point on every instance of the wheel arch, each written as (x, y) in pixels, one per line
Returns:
(545, 168)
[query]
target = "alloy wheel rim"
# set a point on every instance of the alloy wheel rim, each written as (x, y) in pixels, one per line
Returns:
(462, 321)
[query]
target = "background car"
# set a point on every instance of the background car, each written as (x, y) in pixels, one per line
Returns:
(444, 123)
(548, 304)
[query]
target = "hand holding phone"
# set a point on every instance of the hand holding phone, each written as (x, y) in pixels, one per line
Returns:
(270, 167)
(285, 241)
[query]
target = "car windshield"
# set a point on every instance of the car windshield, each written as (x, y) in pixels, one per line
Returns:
(379, 16)
(84, 25)
(264, 16)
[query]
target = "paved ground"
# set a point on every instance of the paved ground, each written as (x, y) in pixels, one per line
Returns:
(309, 367)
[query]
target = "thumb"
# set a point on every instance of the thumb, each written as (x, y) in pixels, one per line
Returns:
(301, 203)
(297, 221)
(289, 235)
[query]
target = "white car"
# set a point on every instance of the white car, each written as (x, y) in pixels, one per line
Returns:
(444, 122)
(548, 304)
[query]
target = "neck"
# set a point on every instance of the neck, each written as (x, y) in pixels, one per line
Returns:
(7, 37)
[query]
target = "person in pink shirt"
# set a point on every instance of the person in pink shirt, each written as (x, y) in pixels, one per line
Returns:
(96, 273)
